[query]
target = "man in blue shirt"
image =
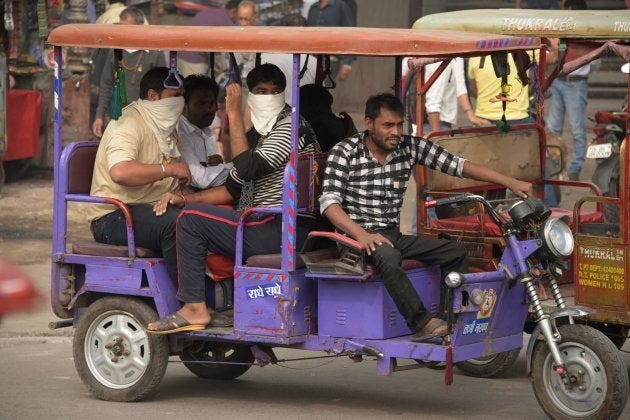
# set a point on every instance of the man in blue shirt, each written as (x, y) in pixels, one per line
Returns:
(334, 13)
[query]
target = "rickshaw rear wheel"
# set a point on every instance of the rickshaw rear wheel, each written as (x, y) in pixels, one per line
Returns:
(489, 366)
(115, 358)
(219, 357)
(598, 376)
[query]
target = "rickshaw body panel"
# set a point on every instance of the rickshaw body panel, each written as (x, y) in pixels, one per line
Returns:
(282, 305)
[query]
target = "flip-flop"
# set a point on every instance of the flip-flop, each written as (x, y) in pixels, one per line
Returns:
(220, 319)
(429, 330)
(174, 323)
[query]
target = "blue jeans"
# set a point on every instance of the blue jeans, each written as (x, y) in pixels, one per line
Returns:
(569, 97)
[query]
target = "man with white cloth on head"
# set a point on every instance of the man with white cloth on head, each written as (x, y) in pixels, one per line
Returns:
(138, 161)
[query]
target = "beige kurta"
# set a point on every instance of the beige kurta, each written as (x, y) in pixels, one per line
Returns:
(128, 138)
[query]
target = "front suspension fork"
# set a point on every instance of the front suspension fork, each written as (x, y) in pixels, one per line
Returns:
(544, 320)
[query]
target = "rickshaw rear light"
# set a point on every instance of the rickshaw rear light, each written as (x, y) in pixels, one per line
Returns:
(599, 130)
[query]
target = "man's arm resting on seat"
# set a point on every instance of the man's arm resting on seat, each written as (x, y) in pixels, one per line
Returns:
(343, 222)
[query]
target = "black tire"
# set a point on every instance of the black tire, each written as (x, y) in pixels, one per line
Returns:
(490, 366)
(615, 333)
(599, 377)
(611, 211)
(208, 351)
(1, 175)
(16, 169)
(115, 358)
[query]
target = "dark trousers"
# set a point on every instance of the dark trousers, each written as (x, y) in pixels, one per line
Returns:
(449, 255)
(203, 229)
(150, 231)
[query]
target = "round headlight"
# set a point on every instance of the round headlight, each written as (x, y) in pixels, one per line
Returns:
(558, 237)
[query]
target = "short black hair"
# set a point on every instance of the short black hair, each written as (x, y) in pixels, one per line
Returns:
(133, 12)
(314, 99)
(383, 100)
(197, 82)
(266, 73)
(153, 79)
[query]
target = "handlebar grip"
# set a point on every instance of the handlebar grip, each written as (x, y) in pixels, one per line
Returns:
(447, 200)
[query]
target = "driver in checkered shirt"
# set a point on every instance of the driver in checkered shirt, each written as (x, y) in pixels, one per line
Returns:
(364, 184)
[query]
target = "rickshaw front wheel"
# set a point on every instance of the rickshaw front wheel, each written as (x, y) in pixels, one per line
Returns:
(222, 360)
(597, 376)
(115, 358)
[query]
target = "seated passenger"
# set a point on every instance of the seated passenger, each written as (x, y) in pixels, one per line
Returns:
(364, 183)
(255, 180)
(197, 143)
(316, 106)
(136, 163)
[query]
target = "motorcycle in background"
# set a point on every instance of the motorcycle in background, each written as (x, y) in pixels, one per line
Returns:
(610, 132)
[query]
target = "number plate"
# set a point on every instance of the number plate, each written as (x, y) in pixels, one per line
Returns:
(599, 151)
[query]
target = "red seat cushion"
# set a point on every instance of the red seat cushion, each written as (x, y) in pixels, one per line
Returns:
(590, 217)
(220, 266)
(471, 223)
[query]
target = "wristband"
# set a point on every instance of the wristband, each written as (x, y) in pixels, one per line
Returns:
(163, 171)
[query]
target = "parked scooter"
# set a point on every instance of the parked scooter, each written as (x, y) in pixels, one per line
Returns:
(610, 131)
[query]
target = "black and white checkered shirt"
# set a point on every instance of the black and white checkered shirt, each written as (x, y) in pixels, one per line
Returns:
(372, 194)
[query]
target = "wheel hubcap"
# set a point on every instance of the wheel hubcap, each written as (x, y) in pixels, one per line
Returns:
(587, 383)
(117, 350)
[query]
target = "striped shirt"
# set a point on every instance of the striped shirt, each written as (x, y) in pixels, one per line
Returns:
(264, 164)
(372, 194)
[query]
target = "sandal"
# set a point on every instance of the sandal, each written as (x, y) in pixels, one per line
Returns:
(435, 328)
(220, 319)
(174, 323)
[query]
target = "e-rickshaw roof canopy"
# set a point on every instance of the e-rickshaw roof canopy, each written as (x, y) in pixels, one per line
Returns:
(308, 40)
(588, 24)
(588, 34)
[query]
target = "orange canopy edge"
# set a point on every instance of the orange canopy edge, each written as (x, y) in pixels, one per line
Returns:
(309, 40)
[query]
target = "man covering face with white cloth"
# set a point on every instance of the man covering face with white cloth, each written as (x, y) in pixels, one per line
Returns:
(260, 156)
(136, 163)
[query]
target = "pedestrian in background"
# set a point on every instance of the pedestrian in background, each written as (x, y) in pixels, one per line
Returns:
(334, 13)
(135, 64)
(569, 98)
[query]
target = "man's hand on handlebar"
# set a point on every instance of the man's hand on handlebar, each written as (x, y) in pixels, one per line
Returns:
(521, 188)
